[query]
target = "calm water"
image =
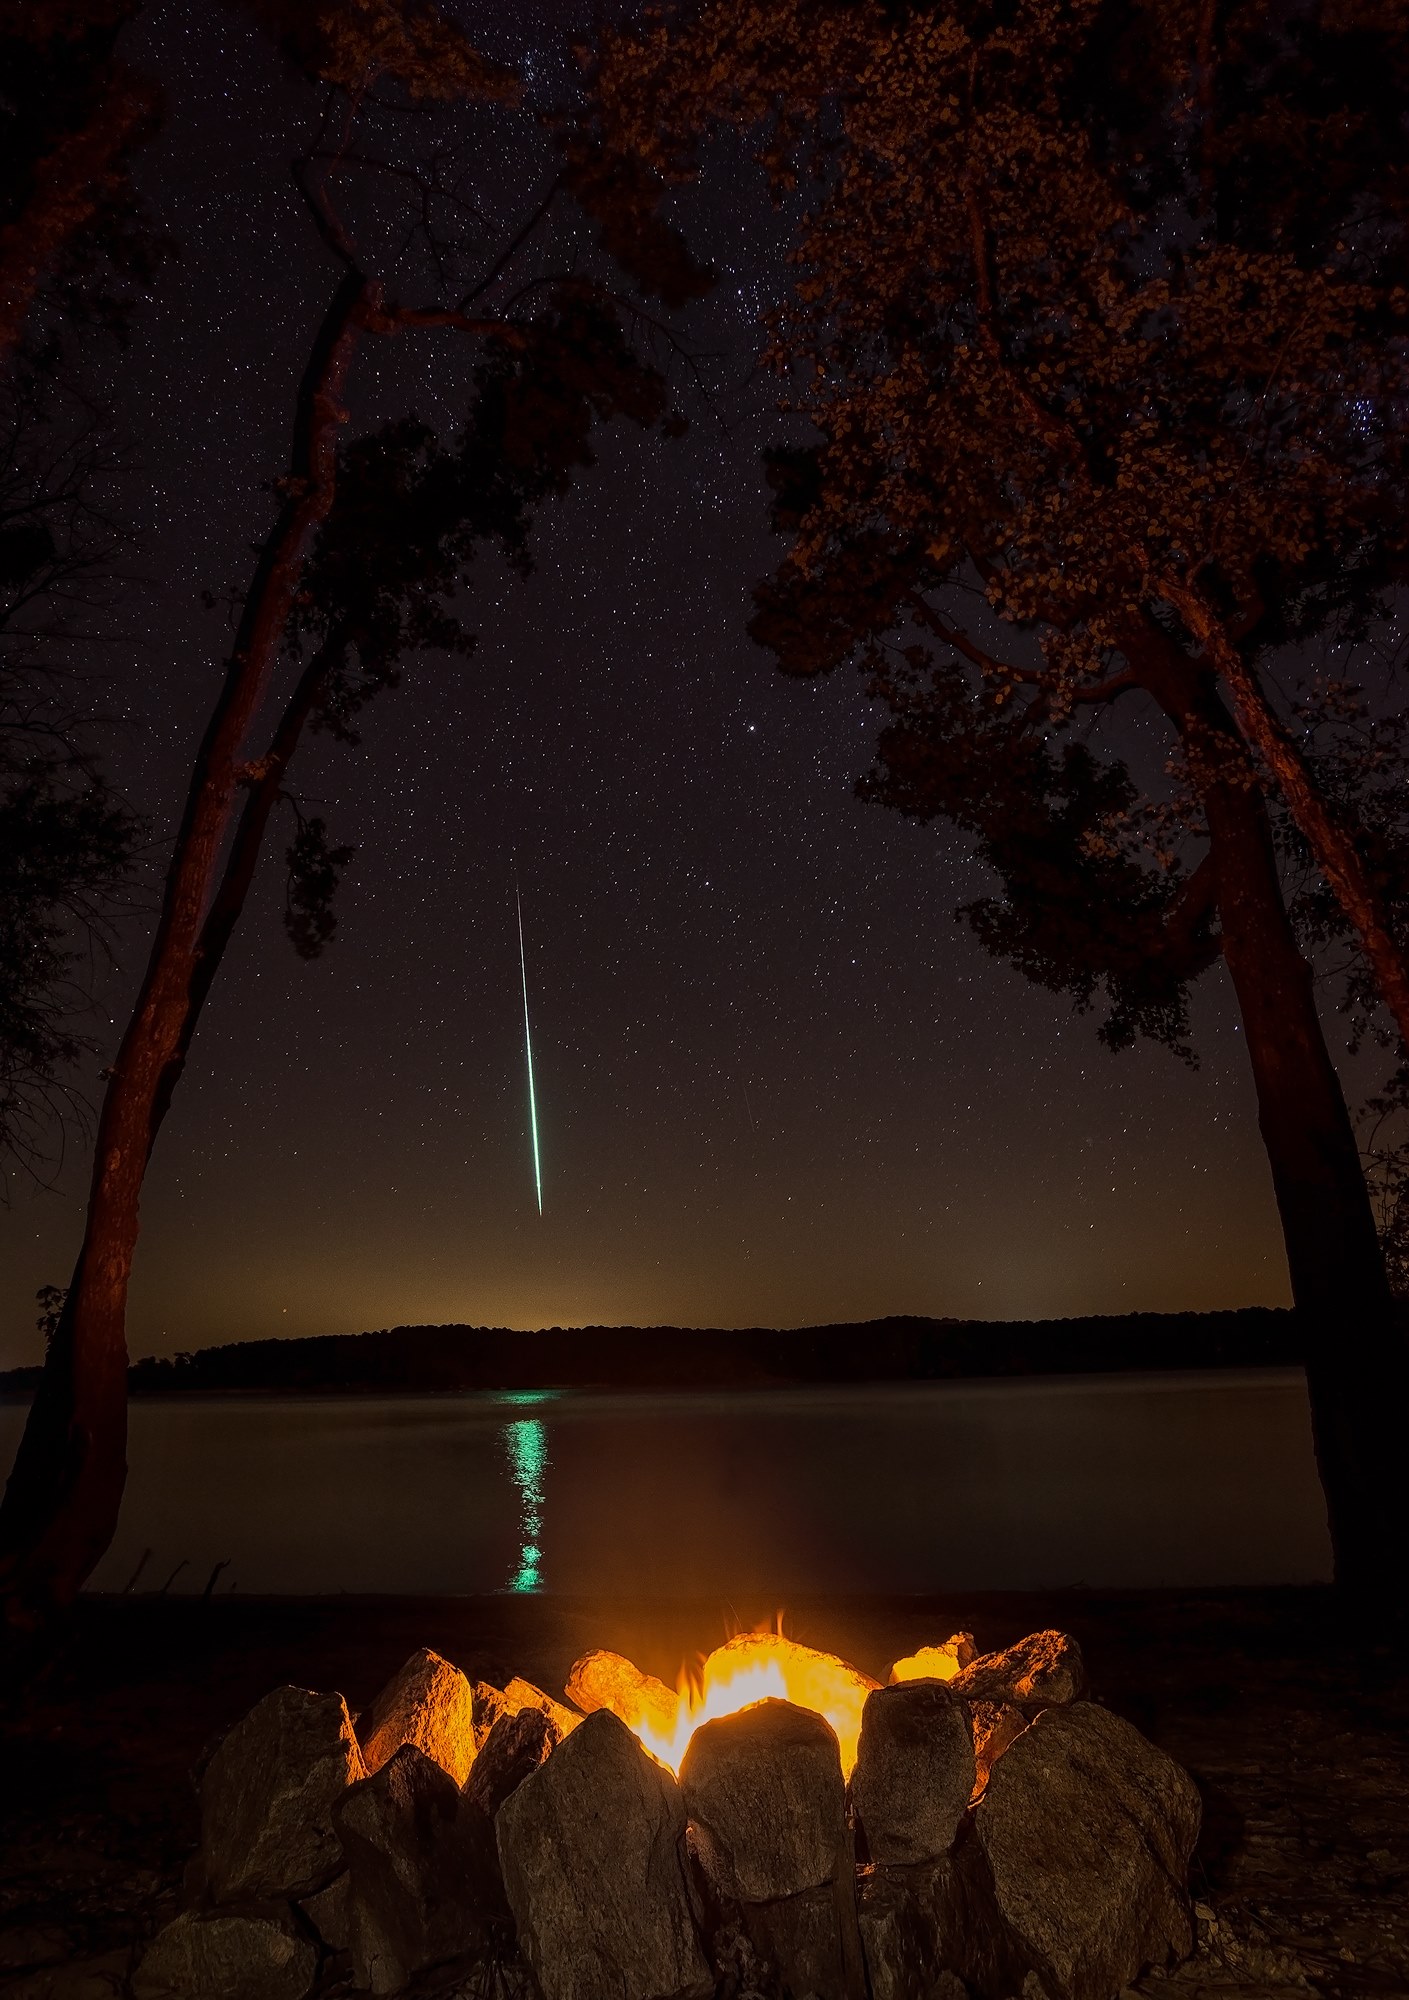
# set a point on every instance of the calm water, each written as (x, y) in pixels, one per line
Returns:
(1178, 1479)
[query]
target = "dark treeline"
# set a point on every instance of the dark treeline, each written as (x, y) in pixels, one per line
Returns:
(410, 1359)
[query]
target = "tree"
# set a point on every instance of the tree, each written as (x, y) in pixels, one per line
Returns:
(66, 839)
(73, 116)
(1104, 379)
(370, 545)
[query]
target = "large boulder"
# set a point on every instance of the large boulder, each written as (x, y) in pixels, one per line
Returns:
(915, 1771)
(902, 1936)
(512, 1751)
(412, 1894)
(1042, 1671)
(225, 1955)
(1087, 1829)
(592, 1848)
(767, 1808)
(930, 1931)
(330, 1913)
(429, 1703)
(607, 1680)
(765, 1799)
(936, 1663)
(267, 1797)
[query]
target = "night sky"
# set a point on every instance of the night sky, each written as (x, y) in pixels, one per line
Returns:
(777, 1082)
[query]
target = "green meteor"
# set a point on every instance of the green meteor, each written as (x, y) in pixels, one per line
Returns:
(528, 1052)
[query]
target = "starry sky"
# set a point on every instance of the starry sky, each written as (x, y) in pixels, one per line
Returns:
(777, 1082)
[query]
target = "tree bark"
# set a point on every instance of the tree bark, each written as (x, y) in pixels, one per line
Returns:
(1357, 1362)
(1336, 854)
(61, 1503)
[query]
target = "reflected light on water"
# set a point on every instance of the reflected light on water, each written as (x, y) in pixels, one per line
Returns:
(526, 1442)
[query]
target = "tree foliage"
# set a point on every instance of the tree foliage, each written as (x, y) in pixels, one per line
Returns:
(66, 838)
(1098, 365)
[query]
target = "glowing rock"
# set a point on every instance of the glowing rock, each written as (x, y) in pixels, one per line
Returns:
(1044, 1670)
(429, 1703)
(606, 1680)
(520, 1694)
(936, 1663)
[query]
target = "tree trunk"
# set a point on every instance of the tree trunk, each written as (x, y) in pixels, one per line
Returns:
(1357, 1364)
(61, 1504)
(1347, 877)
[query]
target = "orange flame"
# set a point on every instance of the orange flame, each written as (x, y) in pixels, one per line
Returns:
(755, 1667)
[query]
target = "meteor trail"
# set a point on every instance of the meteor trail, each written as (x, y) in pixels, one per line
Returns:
(528, 1052)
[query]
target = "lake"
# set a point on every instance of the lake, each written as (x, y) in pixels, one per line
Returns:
(911, 1487)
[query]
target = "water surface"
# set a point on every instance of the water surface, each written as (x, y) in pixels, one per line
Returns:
(1107, 1481)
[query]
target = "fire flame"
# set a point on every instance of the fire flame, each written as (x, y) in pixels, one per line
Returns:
(756, 1666)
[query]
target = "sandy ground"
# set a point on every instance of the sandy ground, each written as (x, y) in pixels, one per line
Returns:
(1291, 1711)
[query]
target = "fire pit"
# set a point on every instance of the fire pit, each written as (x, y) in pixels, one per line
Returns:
(779, 1824)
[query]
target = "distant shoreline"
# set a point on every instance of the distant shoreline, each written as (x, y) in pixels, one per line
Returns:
(424, 1360)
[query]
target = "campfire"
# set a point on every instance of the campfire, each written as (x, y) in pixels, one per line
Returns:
(778, 1824)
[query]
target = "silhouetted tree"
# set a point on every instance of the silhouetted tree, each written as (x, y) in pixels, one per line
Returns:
(72, 115)
(369, 547)
(66, 838)
(1099, 323)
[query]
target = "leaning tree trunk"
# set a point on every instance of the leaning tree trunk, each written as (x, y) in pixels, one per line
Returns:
(1357, 1362)
(61, 1504)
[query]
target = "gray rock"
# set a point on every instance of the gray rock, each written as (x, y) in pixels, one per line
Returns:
(996, 1725)
(1041, 1671)
(429, 1703)
(512, 1751)
(592, 1852)
(224, 1955)
(932, 1930)
(412, 1894)
(901, 1936)
(488, 1704)
(915, 1771)
(802, 1944)
(330, 1913)
(1087, 1829)
(267, 1797)
(767, 1807)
